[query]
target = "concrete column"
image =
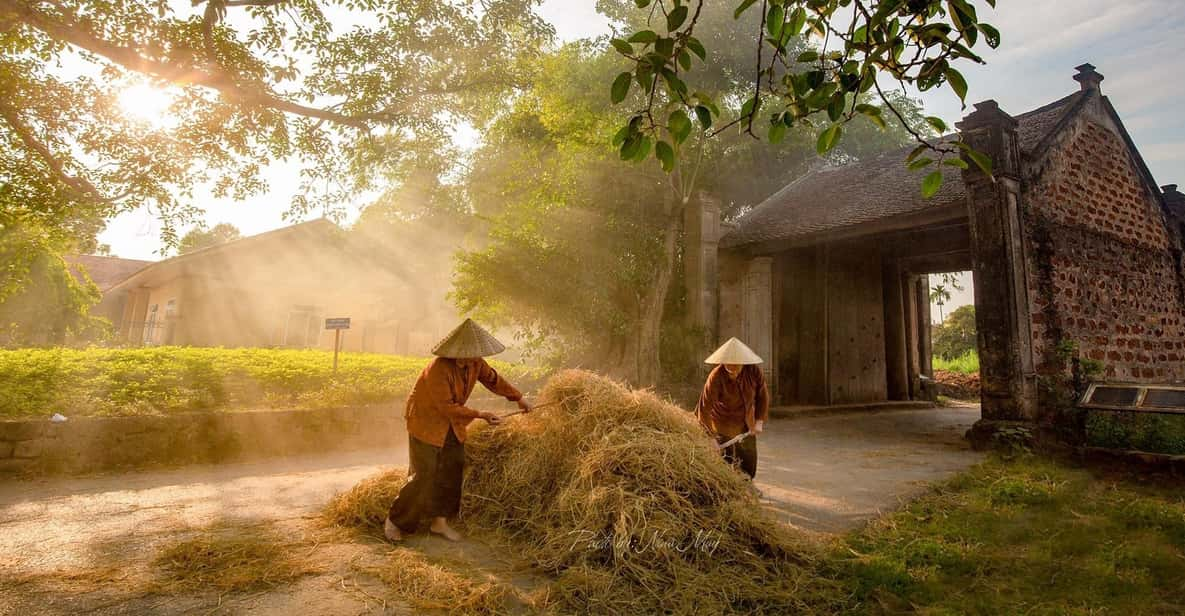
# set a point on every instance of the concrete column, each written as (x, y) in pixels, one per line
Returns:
(139, 301)
(1002, 315)
(758, 307)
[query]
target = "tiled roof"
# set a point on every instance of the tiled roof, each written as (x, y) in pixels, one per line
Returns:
(106, 272)
(1175, 201)
(870, 190)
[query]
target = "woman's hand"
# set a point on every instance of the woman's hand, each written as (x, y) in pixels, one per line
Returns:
(492, 418)
(758, 427)
(522, 405)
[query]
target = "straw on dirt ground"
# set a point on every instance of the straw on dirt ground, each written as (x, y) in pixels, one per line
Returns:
(231, 559)
(625, 502)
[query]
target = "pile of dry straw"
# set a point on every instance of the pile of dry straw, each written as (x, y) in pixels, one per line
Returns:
(624, 501)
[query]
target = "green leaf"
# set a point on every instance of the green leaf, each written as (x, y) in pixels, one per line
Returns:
(920, 163)
(981, 160)
(774, 20)
(621, 135)
(644, 36)
(749, 107)
(742, 8)
(676, 18)
(931, 184)
(643, 150)
(835, 107)
(666, 155)
(679, 125)
(828, 138)
(872, 112)
(674, 84)
(704, 115)
(956, 162)
(685, 60)
(797, 21)
(642, 3)
(697, 48)
(777, 132)
(990, 34)
(621, 87)
(914, 153)
(808, 56)
(622, 47)
(937, 123)
(957, 83)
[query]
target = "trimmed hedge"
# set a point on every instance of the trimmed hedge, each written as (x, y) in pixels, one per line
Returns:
(165, 380)
(1140, 431)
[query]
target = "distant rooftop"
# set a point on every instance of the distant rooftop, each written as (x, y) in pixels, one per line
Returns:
(106, 272)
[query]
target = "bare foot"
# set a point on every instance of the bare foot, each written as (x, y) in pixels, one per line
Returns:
(440, 527)
(391, 531)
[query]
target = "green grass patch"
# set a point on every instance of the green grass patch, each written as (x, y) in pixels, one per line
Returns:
(967, 363)
(164, 380)
(1142, 431)
(1026, 536)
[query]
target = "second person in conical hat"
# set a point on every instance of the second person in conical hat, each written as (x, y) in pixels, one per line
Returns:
(436, 420)
(735, 401)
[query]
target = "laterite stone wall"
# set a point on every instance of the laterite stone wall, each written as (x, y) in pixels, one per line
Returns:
(1103, 265)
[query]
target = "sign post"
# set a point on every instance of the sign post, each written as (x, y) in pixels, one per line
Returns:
(337, 325)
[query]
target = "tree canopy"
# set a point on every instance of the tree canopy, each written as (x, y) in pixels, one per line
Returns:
(345, 88)
(199, 238)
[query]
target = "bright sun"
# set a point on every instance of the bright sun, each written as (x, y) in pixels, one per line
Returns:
(146, 103)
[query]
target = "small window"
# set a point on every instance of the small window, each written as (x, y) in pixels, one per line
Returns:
(1115, 396)
(1165, 398)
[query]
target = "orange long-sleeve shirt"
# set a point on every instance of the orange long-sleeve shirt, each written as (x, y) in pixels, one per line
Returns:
(438, 399)
(727, 407)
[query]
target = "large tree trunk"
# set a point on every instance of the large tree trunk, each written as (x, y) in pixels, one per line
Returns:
(642, 363)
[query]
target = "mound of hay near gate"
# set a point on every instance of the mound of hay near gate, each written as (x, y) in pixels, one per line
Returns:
(625, 499)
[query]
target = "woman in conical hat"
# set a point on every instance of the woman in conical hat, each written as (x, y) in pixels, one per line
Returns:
(436, 419)
(735, 401)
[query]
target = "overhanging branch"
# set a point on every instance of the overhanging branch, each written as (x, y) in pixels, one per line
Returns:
(26, 134)
(127, 57)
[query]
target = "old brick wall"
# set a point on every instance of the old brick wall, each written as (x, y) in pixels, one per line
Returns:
(1101, 259)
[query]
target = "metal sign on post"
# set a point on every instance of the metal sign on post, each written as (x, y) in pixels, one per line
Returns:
(337, 325)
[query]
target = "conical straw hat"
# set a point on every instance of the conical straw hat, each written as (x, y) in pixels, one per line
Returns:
(733, 352)
(468, 340)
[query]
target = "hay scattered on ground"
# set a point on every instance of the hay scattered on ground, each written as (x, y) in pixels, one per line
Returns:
(626, 503)
(427, 585)
(232, 559)
(365, 506)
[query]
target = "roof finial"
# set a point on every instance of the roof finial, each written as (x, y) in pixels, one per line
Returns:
(1088, 77)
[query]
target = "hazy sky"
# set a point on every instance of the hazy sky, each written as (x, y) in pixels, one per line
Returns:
(1139, 45)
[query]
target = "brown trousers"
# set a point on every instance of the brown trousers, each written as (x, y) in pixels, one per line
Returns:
(434, 488)
(742, 454)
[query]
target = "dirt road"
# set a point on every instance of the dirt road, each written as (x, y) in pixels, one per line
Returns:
(822, 474)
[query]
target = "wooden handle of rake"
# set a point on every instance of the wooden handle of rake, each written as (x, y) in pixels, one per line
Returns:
(520, 411)
(734, 440)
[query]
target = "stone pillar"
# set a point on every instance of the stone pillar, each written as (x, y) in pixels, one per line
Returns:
(896, 351)
(1001, 293)
(701, 239)
(758, 314)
